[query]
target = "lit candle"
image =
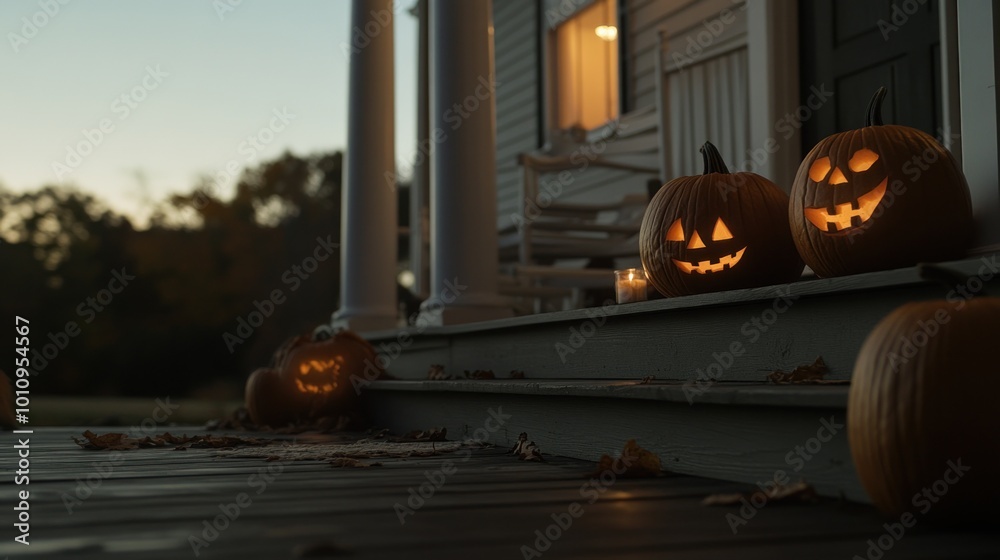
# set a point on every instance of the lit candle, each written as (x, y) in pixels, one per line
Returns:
(630, 285)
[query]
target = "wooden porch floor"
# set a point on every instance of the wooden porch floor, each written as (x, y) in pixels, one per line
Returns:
(491, 506)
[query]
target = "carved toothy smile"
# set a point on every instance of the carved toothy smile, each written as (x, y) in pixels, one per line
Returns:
(702, 267)
(322, 368)
(845, 216)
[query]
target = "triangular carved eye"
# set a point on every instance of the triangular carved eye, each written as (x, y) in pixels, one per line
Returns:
(721, 232)
(676, 231)
(696, 242)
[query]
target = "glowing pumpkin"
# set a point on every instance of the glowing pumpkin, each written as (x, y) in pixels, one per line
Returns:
(717, 231)
(879, 197)
(921, 413)
(317, 375)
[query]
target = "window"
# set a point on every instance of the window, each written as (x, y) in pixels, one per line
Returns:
(586, 63)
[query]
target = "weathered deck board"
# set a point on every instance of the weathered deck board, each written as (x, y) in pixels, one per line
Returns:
(491, 506)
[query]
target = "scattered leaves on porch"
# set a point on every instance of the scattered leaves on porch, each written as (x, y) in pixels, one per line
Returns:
(526, 450)
(647, 380)
(116, 441)
(331, 451)
(480, 374)
(795, 493)
(516, 374)
(433, 434)
(636, 462)
(812, 373)
(437, 373)
(6, 402)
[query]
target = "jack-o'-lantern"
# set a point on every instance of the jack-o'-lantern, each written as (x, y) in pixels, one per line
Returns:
(717, 231)
(318, 374)
(310, 379)
(879, 197)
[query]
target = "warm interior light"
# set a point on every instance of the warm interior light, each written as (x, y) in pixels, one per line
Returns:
(819, 169)
(721, 232)
(606, 32)
(676, 231)
(696, 242)
(631, 275)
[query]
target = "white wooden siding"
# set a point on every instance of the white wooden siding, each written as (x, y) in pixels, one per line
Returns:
(515, 28)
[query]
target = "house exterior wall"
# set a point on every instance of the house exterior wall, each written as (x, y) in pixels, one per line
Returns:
(706, 83)
(517, 59)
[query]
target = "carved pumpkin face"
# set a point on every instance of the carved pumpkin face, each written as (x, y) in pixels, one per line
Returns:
(863, 185)
(717, 231)
(879, 197)
(710, 260)
(311, 379)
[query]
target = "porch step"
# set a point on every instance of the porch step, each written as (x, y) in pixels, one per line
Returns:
(739, 335)
(742, 432)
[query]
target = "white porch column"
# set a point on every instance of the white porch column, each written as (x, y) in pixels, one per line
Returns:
(979, 65)
(369, 224)
(463, 166)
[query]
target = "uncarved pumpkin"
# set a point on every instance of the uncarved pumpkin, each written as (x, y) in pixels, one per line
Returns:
(266, 401)
(879, 197)
(717, 231)
(924, 394)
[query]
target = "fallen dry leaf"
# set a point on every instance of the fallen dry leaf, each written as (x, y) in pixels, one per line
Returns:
(795, 493)
(115, 441)
(638, 462)
(647, 380)
(516, 374)
(480, 374)
(437, 373)
(812, 373)
(526, 450)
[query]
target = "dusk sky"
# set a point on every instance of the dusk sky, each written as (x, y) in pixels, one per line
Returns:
(199, 79)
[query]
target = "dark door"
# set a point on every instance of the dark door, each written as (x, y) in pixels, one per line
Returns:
(854, 46)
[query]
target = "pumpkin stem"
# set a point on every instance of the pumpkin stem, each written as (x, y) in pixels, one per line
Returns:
(874, 116)
(713, 159)
(946, 277)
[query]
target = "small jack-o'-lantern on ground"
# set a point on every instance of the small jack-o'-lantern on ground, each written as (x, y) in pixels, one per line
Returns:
(879, 197)
(311, 379)
(717, 231)
(921, 414)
